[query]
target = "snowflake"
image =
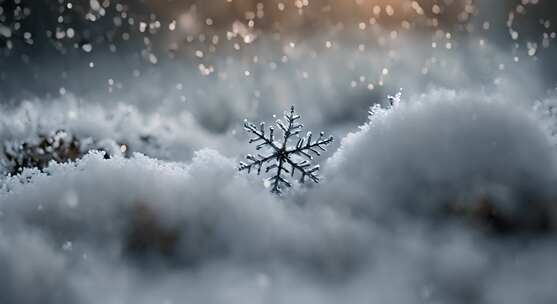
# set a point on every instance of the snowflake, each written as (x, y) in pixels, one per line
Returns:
(282, 158)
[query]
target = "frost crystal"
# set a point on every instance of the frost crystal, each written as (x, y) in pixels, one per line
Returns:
(393, 102)
(282, 158)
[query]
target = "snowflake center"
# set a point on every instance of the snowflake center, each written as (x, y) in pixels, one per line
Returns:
(282, 153)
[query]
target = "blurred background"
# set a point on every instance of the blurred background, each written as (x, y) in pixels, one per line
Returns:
(218, 62)
(80, 45)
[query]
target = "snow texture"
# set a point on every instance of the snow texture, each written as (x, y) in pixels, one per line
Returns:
(199, 231)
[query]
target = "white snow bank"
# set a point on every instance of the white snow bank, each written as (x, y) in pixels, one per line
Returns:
(97, 215)
(440, 148)
(173, 136)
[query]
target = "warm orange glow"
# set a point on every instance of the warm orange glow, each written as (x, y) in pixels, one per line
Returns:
(310, 14)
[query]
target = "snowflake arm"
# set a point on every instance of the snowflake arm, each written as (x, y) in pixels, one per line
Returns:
(293, 128)
(260, 135)
(277, 180)
(306, 145)
(305, 171)
(256, 162)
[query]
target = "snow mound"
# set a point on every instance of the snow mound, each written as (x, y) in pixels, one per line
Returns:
(445, 150)
(99, 217)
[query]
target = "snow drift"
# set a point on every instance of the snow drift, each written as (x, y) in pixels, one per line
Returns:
(445, 148)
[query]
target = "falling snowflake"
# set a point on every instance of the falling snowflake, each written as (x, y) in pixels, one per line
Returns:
(282, 158)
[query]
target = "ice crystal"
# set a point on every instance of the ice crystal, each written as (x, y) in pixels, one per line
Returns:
(281, 157)
(393, 102)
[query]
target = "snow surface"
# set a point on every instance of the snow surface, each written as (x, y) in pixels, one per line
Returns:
(142, 230)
